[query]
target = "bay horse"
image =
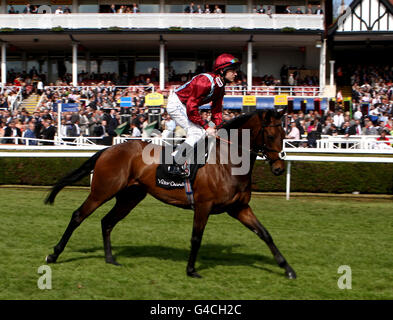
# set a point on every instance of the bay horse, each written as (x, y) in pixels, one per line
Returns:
(120, 172)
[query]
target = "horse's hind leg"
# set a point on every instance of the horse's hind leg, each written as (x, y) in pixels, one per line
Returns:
(247, 217)
(78, 216)
(126, 200)
(201, 215)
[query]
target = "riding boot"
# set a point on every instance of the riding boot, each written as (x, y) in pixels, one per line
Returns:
(178, 168)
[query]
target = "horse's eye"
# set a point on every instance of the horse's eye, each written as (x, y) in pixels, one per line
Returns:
(270, 137)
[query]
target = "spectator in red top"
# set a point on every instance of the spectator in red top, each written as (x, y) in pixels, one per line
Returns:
(383, 137)
(184, 102)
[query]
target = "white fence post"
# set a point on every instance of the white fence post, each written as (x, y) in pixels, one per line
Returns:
(288, 189)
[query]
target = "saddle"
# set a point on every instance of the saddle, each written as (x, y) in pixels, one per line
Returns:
(168, 181)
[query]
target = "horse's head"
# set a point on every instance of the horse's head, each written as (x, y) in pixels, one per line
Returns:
(270, 139)
(266, 135)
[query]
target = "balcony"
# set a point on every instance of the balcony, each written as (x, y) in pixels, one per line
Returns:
(172, 21)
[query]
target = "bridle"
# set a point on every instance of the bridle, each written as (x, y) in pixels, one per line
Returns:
(264, 150)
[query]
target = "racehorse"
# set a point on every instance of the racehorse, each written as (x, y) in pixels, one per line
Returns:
(120, 172)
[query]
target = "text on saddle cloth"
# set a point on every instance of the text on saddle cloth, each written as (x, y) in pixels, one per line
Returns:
(168, 181)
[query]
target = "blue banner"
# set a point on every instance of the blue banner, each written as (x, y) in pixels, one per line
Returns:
(265, 102)
(66, 107)
(233, 102)
(310, 104)
(69, 107)
(297, 103)
(126, 102)
(55, 104)
(324, 104)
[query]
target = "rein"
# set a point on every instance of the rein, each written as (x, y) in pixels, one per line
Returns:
(264, 150)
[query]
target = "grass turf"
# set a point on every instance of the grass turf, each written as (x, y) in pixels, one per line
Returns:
(316, 236)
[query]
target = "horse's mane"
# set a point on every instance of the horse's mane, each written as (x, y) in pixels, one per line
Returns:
(238, 121)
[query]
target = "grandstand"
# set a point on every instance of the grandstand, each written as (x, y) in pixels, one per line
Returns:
(160, 42)
(97, 53)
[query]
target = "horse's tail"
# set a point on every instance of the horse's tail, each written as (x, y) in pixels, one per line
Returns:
(73, 176)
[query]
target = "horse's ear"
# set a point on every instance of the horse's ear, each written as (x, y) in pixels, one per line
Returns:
(280, 111)
(267, 115)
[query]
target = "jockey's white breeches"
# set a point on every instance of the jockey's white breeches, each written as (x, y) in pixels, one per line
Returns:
(177, 110)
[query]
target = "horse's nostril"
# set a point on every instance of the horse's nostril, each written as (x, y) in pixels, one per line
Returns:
(278, 171)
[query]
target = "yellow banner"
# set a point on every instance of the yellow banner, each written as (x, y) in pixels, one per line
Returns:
(249, 100)
(154, 99)
(281, 100)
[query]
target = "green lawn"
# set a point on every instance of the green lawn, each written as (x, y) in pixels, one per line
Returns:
(316, 235)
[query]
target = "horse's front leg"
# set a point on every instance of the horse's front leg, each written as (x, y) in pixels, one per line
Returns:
(201, 215)
(245, 215)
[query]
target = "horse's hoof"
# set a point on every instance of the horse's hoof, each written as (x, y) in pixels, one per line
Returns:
(51, 258)
(194, 274)
(114, 262)
(290, 274)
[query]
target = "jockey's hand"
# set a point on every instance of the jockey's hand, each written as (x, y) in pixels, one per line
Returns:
(211, 131)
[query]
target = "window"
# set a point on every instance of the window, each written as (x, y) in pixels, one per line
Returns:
(236, 9)
(183, 66)
(17, 8)
(88, 8)
(16, 66)
(145, 67)
(149, 8)
(109, 66)
(175, 8)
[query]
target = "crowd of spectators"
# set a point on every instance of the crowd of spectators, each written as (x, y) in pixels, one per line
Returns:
(261, 9)
(372, 107)
(100, 113)
(191, 8)
(339, 123)
(134, 8)
(308, 10)
(372, 74)
(34, 9)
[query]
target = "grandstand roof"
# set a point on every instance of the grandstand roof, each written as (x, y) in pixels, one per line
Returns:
(114, 43)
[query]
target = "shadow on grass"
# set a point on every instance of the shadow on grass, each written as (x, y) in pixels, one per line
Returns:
(210, 256)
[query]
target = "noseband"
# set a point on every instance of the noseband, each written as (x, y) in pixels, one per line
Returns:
(264, 149)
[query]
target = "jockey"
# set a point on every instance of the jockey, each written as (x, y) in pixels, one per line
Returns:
(183, 105)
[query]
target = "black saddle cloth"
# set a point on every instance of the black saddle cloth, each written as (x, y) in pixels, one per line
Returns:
(169, 181)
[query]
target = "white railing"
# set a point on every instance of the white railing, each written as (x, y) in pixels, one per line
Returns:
(155, 140)
(78, 141)
(341, 144)
(88, 151)
(68, 142)
(292, 91)
(327, 145)
(161, 21)
(101, 87)
(300, 91)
